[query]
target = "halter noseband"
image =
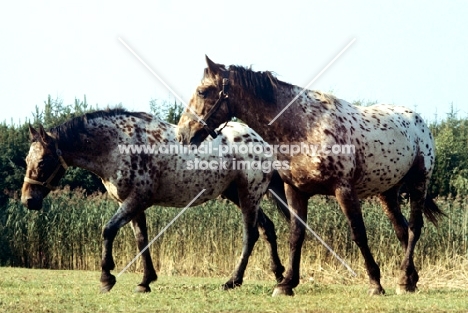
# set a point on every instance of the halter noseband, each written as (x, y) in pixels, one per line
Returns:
(222, 97)
(54, 173)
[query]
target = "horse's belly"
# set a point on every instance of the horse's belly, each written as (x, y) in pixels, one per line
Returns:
(380, 177)
(178, 188)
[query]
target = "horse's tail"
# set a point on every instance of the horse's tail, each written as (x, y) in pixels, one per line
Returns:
(432, 211)
(277, 185)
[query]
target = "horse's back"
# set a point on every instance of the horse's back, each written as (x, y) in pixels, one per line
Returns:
(213, 166)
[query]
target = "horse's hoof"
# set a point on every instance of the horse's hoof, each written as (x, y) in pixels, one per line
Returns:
(279, 279)
(282, 291)
(106, 288)
(230, 285)
(107, 285)
(403, 289)
(376, 291)
(142, 289)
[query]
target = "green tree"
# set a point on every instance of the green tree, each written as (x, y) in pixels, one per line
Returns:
(14, 144)
(166, 111)
(450, 175)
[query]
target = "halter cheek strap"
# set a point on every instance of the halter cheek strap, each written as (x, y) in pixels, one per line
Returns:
(195, 117)
(223, 97)
(54, 173)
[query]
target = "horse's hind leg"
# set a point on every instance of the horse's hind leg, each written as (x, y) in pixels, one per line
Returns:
(141, 235)
(409, 275)
(267, 229)
(391, 207)
(250, 237)
(417, 190)
(351, 207)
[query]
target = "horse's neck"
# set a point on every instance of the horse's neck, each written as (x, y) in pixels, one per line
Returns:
(271, 123)
(95, 148)
(103, 154)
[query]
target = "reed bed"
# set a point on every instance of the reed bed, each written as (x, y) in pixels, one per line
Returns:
(206, 240)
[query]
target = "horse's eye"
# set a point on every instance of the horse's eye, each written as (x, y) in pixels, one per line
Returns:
(202, 92)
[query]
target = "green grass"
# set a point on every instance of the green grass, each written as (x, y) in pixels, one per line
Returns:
(32, 290)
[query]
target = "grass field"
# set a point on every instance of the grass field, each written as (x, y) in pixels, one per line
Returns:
(197, 254)
(206, 240)
(32, 290)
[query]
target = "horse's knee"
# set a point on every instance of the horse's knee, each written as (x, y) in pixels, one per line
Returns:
(251, 234)
(109, 232)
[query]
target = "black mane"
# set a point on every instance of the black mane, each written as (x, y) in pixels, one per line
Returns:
(262, 85)
(68, 132)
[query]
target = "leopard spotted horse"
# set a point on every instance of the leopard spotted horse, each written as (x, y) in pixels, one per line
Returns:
(138, 180)
(391, 145)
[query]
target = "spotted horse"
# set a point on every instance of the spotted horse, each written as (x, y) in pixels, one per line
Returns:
(138, 180)
(391, 146)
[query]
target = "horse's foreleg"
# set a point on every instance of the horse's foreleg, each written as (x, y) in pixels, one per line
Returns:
(141, 235)
(250, 237)
(298, 204)
(351, 207)
(123, 215)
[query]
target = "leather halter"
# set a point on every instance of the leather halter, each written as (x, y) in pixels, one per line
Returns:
(222, 97)
(54, 173)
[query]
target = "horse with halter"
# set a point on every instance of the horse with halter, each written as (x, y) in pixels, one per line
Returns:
(391, 146)
(100, 142)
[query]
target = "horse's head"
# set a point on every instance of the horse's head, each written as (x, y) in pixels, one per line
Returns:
(45, 167)
(208, 107)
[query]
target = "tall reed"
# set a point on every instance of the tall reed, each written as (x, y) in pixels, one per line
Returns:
(207, 239)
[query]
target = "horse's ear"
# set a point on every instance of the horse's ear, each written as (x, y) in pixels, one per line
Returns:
(33, 134)
(43, 135)
(213, 68)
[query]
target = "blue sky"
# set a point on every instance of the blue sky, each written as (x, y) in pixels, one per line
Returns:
(411, 53)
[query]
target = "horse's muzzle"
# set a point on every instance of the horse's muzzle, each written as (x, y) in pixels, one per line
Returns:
(188, 136)
(32, 203)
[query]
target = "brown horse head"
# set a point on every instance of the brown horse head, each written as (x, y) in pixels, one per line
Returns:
(216, 99)
(203, 101)
(45, 167)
